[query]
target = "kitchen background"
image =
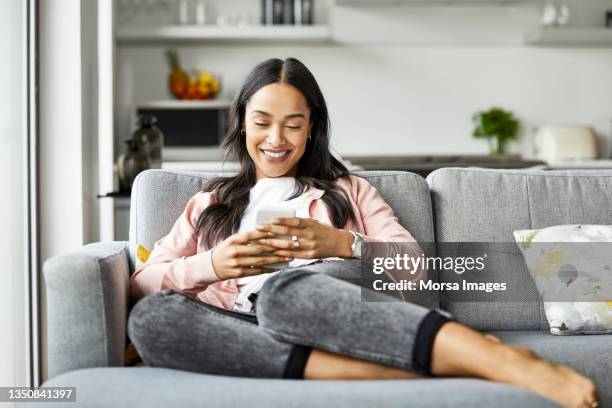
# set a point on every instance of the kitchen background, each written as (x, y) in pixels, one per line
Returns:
(400, 77)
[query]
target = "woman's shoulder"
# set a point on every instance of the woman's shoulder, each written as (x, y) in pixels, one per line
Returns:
(197, 203)
(202, 198)
(355, 185)
(360, 191)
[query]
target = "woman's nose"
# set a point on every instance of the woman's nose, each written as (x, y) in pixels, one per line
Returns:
(275, 138)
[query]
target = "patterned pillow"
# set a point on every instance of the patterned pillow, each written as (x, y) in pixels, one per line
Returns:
(571, 266)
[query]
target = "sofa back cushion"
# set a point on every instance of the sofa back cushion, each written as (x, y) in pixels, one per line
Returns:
(485, 206)
(160, 196)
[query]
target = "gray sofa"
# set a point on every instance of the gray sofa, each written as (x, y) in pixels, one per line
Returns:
(87, 295)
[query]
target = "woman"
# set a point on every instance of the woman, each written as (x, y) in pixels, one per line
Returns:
(213, 307)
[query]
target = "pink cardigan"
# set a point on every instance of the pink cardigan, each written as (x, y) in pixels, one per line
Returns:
(181, 261)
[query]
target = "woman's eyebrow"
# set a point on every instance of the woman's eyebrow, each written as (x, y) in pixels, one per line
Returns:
(293, 115)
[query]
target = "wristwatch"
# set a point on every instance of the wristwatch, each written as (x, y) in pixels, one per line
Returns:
(356, 245)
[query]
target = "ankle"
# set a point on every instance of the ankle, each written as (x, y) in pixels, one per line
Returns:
(510, 364)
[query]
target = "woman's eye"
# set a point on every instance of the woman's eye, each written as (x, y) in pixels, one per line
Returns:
(261, 124)
(292, 127)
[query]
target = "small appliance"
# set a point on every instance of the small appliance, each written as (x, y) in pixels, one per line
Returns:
(193, 130)
(563, 143)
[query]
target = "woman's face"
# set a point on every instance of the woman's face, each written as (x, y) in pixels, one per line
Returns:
(277, 125)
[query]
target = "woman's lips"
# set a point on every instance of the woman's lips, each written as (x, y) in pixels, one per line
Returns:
(275, 156)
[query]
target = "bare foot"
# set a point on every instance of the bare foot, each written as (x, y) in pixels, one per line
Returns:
(561, 384)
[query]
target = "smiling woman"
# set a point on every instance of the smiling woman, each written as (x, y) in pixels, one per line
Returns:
(216, 308)
(277, 125)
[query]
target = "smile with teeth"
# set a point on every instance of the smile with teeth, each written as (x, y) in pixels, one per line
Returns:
(271, 153)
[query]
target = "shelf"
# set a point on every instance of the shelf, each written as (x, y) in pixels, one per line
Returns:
(434, 3)
(567, 37)
(185, 104)
(212, 33)
(116, 194)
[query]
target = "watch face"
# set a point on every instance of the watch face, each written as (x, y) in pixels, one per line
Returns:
(357, 246)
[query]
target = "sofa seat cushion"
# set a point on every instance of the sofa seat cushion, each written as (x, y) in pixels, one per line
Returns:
(159, 387)
(589, 354)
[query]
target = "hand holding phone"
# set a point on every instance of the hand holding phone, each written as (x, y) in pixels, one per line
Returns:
(265, 215)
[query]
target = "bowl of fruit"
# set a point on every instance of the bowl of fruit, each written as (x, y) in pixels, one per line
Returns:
(199, 85)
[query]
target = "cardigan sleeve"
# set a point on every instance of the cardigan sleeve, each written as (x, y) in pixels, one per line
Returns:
(381, 225)
(379, 221)
(174, 262)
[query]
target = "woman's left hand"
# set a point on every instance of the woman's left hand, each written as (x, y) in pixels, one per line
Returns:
(312, 239)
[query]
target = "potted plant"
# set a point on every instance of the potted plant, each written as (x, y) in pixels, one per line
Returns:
(496, 125)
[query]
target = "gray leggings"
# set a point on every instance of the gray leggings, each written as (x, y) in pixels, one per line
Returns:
(317, 306)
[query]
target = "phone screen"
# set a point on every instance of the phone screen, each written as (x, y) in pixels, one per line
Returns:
(265, 215)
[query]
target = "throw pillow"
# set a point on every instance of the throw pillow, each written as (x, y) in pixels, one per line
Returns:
(131, 356)
(142, 254)
(571, 266)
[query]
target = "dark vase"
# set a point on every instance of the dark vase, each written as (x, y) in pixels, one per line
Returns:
(132, 162)
(150, 138)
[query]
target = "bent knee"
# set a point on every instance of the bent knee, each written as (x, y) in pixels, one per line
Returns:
(146, 314)
(282, 291)
(281, 286)
(302, 295)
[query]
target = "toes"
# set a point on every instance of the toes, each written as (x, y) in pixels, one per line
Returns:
(590, 398)
(592, 394)
(493, 338)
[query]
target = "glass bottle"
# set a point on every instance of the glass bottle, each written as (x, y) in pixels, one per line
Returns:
(150, 138)
(129, 164)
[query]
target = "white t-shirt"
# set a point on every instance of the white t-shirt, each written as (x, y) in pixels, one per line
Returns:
(266, 192)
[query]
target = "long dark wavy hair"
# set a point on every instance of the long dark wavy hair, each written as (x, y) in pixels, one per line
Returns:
(317, 167)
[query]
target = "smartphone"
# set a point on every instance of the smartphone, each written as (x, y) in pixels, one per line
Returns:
(265, 215)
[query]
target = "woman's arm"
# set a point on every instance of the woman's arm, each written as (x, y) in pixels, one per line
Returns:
(376, 221)
(381, 225)
(377, 217)
(174, 262)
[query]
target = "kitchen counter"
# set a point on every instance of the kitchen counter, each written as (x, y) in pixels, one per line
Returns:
(425, 164)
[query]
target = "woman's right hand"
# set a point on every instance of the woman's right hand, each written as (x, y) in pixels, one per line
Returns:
(236, 257)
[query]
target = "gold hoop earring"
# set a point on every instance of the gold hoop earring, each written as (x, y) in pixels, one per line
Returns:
(310, 136)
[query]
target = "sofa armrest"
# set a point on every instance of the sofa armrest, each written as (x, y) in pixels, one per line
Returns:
(87, 294)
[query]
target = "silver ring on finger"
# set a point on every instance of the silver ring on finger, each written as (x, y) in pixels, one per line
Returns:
(252, 266)
(296, 241)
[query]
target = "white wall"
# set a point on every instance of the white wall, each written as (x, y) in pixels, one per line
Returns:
(13, 135)
(61, 156)
(68, 131)
(406, 80)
